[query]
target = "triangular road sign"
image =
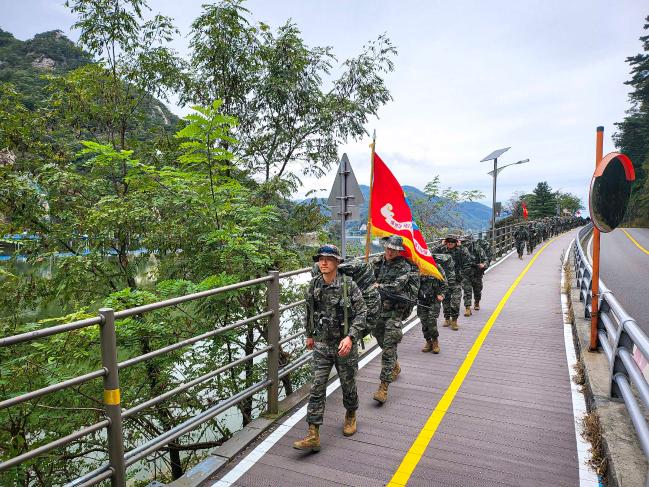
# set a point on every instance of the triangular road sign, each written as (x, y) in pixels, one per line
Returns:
(345, 183)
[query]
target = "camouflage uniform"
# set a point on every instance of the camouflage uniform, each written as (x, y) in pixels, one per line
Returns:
(486, 247)
(463, 263)
(472, 282)
(532, 234)
(363, 275)
(324, 323)
(428, 306)
(520, 236)
(392, 278)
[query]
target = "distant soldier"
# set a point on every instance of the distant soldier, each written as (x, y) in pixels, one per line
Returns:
(472, 282)
(532, 236)
(520, 236)
(486, 246)
(429, 302)
(393, 273)
(335, 320)
(453, 296)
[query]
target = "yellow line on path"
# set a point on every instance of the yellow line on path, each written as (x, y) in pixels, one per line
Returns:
(418, 447)
(635, 241)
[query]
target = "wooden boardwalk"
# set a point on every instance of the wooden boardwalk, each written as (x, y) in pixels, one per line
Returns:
(510, 423)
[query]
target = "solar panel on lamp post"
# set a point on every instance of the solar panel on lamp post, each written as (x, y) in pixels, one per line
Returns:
(494, 175)
(494, 156)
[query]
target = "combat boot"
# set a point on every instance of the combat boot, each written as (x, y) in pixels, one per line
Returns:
(454, 326)
(312, 440)
(467, 311)
(396, 370)
(428, 347)
(477, 306)
(349, 427)
(435, 346)
(382, 394)
(447, 322)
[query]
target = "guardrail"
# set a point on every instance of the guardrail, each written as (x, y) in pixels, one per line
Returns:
(619, 336)
(118, 459)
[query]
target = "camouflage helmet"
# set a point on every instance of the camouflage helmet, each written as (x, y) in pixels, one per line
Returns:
(467, 238)
(394, 242)
(451, 238)
(328, 250)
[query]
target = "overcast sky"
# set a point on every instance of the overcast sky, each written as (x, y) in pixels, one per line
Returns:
(471, 77)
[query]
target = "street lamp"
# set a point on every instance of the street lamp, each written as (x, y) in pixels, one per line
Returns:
(491, 173)
(494, 174)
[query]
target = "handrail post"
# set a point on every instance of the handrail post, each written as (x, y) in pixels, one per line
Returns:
(273, 341)
(112, 403)
(510, 241)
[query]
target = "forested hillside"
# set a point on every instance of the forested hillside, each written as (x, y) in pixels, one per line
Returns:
(632, 137)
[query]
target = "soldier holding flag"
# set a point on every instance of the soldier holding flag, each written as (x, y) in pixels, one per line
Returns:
(390, 217)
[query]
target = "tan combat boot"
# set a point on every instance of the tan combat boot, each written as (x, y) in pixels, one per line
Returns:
(477, 306)
(447, 322)
(428, 347)
(435, 345)
(396, 371)
(382, 394)
(467, 311)
(349, 428)
(312, 440)
(454, 326)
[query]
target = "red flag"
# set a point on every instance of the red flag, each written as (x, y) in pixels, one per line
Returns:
(391, 215)
(525, 213)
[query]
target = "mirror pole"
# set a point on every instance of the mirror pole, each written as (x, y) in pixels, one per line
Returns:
(594, 315)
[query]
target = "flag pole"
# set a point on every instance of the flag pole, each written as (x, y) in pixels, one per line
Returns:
(368, 236)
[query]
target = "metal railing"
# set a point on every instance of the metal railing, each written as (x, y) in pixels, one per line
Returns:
(620, 337)
(118, 459)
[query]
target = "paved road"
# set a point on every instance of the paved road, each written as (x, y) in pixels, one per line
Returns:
(625, 270)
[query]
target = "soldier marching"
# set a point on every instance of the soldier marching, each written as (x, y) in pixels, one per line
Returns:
(340, 313)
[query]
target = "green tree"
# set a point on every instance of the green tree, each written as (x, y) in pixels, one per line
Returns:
(542, 202)
(158, 232)
(632, 137)
(275, 85)
(134, 53)
(569, 202)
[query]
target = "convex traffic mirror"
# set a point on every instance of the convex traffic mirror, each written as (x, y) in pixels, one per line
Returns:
(610, 189)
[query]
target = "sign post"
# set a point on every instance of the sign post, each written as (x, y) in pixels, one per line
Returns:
(345, 199)
(594, 314)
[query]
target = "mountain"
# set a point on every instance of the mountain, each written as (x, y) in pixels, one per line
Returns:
(26, 64)
(468, 215)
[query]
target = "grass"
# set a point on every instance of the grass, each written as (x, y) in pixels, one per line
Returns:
(580, 373)
(567, 289)
(592, 432)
